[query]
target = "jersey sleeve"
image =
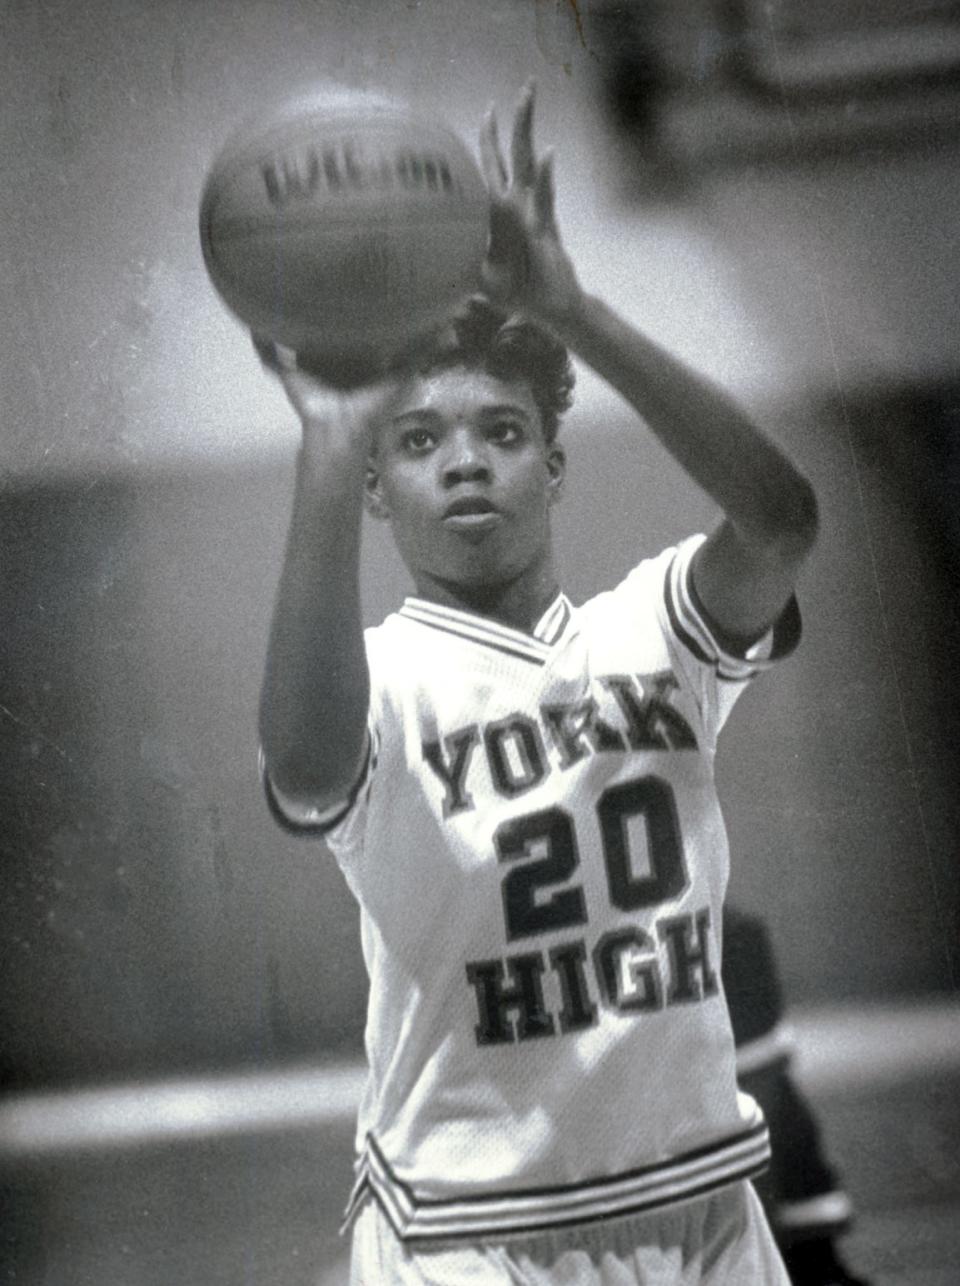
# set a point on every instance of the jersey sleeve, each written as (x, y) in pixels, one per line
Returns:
(717, 666)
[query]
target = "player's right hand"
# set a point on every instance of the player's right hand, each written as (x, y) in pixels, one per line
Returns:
(321, 406)
(527, 265)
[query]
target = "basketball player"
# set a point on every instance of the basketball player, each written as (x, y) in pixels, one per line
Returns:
(520, 791)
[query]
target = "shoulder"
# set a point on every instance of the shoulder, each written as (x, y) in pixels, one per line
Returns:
(387, 644)
(643, 589)
(411, 666)
(626, 629)
(662, 587)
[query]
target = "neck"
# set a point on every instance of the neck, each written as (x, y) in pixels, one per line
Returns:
(519, 603)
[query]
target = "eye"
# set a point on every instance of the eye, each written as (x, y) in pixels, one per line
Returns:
(505, 431)
(417, 441)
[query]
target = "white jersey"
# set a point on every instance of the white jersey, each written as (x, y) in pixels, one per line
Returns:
(540, 860)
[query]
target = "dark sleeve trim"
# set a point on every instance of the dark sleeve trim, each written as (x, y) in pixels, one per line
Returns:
(310, 830)
(787, 629)
(684, 635)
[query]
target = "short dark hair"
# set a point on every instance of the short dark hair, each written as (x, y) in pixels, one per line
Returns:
(510, 347)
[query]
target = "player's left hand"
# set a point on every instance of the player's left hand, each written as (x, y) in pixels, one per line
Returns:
(346, 415)
(526, 265)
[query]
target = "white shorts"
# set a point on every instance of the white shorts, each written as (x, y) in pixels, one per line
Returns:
(719, 1240)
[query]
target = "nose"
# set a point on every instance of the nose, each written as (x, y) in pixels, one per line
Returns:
(466, 459)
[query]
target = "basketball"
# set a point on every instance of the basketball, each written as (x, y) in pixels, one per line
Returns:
(345, 227)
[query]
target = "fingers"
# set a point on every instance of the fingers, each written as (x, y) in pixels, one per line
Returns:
(544, 195)
(491, 157)
(522, 173)
(507, 236)
(521, 142)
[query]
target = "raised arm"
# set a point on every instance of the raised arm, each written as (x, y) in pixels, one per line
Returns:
(746, 570)
(315, 695)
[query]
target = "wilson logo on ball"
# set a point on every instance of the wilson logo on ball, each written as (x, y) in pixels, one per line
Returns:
(343, 168)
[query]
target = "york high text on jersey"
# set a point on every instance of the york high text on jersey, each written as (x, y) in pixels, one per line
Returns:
(540, 860)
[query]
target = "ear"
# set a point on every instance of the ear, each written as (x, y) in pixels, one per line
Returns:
(373, 497)
(556, 471)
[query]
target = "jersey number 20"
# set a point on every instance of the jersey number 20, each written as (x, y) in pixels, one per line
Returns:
(550, 839)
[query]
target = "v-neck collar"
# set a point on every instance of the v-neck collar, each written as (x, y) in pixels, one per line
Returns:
(535, 646)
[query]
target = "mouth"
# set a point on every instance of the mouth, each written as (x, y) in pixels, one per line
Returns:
(471, 513)
(472, 516)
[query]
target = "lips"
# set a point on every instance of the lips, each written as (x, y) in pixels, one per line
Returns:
(469, 506)
(471, 517)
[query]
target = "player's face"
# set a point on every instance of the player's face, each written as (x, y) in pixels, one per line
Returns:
(464, 475)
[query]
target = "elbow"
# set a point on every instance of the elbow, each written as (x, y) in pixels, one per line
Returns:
(276, 765)
(789, 531)
(280, 757)
(310, 784)
(310, 769)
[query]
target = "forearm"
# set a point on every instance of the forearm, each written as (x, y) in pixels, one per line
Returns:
(760, 491)
(316, 688)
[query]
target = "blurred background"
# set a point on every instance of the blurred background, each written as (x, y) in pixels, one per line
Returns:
(768, 188)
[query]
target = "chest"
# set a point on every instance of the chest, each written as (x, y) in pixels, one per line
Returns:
(482, 739)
